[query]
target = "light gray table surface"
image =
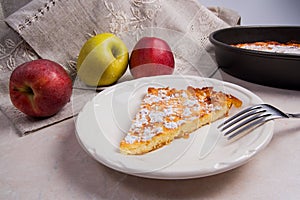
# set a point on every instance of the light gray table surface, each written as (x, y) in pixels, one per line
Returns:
(50, 163)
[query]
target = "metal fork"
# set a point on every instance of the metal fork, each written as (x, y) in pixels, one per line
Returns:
(251, 118)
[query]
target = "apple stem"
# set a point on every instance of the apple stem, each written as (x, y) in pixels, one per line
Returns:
(114, 52)
(25, 89)
(30, 91)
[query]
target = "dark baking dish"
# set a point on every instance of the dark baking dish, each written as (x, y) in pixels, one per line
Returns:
(266, 68)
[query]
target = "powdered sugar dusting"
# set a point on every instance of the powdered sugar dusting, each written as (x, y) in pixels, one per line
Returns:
(164, 109)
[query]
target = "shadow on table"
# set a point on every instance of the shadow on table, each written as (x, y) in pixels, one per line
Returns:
(93, 180)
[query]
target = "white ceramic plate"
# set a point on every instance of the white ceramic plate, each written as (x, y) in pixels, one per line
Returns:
(104, 121)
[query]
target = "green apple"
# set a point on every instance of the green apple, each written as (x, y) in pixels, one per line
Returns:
(103, 60)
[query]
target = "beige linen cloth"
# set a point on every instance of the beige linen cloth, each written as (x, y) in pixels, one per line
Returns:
(57, 29)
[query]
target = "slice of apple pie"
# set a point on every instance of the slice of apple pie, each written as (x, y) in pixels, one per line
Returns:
(169, 113)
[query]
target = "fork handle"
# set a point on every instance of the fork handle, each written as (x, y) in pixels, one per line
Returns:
(294, 115)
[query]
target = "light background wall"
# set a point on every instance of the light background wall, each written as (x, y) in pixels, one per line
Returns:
(262, 12)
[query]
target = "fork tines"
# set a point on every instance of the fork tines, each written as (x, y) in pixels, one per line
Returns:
(245, 120)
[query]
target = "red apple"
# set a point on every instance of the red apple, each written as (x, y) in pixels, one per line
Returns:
(151, 56)
(40, 88)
